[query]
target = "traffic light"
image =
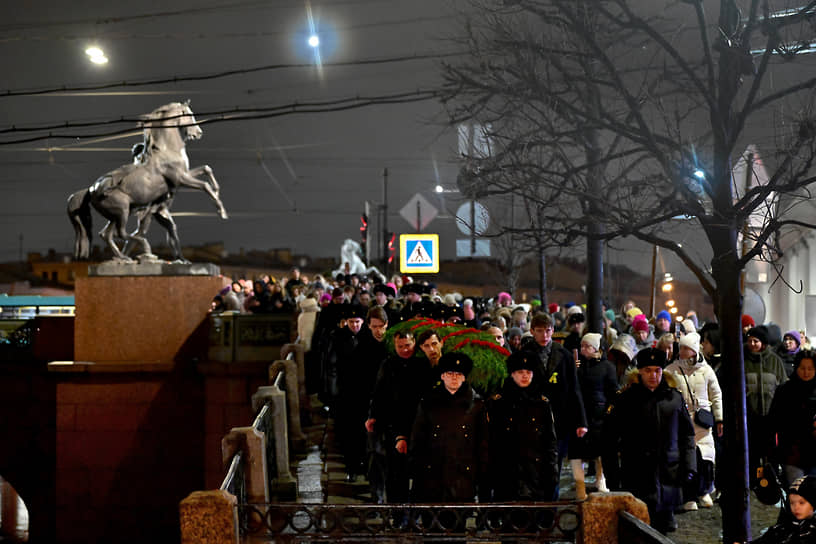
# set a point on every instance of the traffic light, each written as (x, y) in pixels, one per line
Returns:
(391, 247)
(364, 236)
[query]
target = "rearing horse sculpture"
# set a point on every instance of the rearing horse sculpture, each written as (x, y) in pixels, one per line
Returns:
(146, 187)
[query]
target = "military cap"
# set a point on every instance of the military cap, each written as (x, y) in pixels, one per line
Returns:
(651, 357)
(413, 288)
(520, 361)
(455, 362)
(382, 288)
(356, 310)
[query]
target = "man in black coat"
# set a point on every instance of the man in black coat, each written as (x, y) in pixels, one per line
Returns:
(648, 440)
(523, 446)
(358, 361)
(556, 372)
(402, 380)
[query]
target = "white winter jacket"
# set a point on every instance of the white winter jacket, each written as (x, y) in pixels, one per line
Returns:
(705, 393)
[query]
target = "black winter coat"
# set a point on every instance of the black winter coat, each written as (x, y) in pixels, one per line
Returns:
(399, 386)
(558, 379)
(448, 450)
(654, 435)
(599, 383)
(523, 446)
(796, 532)
(792, 413)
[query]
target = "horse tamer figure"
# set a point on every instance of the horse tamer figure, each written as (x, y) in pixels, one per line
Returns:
(145, 188)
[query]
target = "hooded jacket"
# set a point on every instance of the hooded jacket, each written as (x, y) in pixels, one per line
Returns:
(764, 372)
(306, 322)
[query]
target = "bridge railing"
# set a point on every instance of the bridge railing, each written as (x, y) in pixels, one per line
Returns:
(519, 522)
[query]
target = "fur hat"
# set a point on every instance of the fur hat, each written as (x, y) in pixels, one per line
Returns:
(760, 333)
(691, 340)
(626, 345)
(520, 361)
(805, 487)
(747, 321)
(455, 362)
(640, 325)
(663, 314)
(575, 309)
(504, 297)
(576, 317)
(593, 339)
(651, 357)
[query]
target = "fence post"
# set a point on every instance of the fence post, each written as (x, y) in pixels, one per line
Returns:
(285, 483)
(253, 444)
(599, 516)
(209, 517)
(289, 368)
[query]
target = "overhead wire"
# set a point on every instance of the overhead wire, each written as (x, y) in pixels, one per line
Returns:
(234, 114)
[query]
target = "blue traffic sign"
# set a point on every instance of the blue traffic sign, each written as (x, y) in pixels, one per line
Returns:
(419, 253)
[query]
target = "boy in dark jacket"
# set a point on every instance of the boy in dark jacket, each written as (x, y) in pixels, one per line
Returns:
(802, 528)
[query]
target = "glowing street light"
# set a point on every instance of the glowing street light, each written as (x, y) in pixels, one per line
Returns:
(439, 189)
(96, 55)
(314, 40)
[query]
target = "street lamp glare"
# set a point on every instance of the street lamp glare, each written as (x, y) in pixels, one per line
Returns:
(699, 174)
(439, 189)
(94, 51)
(314, 41)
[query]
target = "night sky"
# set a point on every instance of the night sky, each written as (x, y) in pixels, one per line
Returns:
(296, 181)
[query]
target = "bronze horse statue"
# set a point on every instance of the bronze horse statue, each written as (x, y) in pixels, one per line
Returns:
(145, 188)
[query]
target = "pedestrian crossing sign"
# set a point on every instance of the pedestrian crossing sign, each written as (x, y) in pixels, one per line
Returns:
(419, 253)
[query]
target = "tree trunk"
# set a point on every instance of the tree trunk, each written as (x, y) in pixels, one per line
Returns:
(736, 489)
(542, 276)
(725, 272)
(594, 278)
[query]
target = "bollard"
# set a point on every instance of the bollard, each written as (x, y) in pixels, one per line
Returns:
(209, 517)
(253, 444)
(295, 430)
(285, 484)
(599, 515)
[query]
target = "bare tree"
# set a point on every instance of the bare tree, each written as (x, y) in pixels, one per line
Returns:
(614, 116)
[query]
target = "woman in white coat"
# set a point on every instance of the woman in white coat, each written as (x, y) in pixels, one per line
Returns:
(698, 383)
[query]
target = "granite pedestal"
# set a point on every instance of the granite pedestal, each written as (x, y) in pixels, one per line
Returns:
(146, 313)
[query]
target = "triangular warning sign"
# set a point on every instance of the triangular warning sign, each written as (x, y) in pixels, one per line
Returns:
(419, 255)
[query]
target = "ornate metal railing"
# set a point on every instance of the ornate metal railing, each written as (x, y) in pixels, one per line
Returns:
(520, 522)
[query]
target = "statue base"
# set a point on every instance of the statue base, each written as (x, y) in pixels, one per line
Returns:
(153, 268)
(126, 318)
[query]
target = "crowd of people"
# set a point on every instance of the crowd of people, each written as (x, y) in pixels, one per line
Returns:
(638, 405)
